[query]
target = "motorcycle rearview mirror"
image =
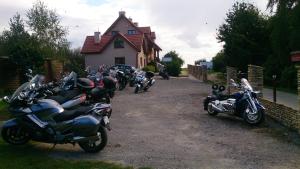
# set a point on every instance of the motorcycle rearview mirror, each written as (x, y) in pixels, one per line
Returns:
(29, 71)
(6, 99)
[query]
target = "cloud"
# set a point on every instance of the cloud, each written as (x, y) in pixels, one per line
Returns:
(189, 26)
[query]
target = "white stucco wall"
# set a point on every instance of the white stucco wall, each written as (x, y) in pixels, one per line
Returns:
(109, 54)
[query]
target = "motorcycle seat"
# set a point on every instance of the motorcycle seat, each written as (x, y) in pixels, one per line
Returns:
(65, 96)
(71, 114)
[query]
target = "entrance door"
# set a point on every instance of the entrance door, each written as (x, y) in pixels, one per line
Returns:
(119, 60)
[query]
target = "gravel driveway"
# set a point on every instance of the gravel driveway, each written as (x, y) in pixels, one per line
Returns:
(167, 128)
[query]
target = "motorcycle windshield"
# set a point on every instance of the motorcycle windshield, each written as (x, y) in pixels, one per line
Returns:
(246, 84)
(27, 86)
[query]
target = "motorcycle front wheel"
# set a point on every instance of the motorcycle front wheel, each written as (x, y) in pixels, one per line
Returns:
(253, 118)
(15, 135)
(210, 110)
(95, 146)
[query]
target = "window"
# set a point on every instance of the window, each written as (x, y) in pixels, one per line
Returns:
(119, 60)
(119, 43)
(131, 32)
(114, 32)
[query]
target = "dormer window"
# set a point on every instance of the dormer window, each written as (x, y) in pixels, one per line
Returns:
(118, 43)
(114, 32)
(131, 32)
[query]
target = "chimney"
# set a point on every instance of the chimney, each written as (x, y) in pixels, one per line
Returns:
(136, 24)
(130, 19)
(97, 37)
(121, 13)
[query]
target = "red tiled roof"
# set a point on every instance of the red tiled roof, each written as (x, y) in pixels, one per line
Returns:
(90, 46)
(146, 29)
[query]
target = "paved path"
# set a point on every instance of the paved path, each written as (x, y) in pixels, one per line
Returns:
(167, 128)
(287, 99)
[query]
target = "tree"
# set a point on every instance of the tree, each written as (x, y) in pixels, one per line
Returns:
(46, 27)
(23, 49)
(245, 36)
(285, 3)
(75, 61)
(219, 64)
(174, 67)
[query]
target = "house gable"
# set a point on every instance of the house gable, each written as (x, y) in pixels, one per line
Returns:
(122, 25)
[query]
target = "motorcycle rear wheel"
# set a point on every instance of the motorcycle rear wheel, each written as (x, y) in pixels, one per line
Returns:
(95, 146)
(15, 135)
(254, 119)
(210, 110)
(136, 90)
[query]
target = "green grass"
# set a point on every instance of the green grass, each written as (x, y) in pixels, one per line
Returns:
(30, 157)
(184, 72)
(4, 114)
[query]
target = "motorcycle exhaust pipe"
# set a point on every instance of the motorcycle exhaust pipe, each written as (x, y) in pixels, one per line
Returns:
(80, 139)
(219, 110)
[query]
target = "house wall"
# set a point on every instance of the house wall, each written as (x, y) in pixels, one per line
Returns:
(122, 26)
(109, 54)
(141, 55)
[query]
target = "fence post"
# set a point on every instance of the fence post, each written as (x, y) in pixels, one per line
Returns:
(231, 74)
(256, 78)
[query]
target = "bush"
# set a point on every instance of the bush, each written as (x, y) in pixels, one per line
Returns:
(149, 68)
(174, 67)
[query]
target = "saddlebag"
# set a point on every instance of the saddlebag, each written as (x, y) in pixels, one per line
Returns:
(85, 126)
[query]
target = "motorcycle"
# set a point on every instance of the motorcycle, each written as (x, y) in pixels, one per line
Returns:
(243, 104)
(164, 74)
(162, 71)
(144, 81)
(73, 91)
(45, 120)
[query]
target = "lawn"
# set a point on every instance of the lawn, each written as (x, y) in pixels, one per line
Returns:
(29, 157)
(4, 114)
(184, 72)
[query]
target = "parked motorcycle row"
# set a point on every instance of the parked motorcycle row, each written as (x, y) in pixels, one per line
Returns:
(72, 110)
(243, 104)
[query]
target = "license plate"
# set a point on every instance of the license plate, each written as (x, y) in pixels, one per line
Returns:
(106, 120)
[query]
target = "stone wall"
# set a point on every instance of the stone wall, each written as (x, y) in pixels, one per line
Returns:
(256, 77)
(199, 72)
(285, 115)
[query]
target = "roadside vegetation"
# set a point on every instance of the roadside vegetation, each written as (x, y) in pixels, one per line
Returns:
(4, 114)
(23, 157)
(251, 37)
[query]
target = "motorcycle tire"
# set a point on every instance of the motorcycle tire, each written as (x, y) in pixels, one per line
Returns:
(91, 147)
(15, 135)
(210, 110)
(250, 119)
(136, 90)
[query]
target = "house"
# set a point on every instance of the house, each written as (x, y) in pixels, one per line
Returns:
(124, 42)
(203, 62)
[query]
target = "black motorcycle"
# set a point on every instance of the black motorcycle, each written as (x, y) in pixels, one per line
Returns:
(144, 81)
(46, 121)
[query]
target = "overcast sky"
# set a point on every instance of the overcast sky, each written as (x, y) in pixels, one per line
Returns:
(187, 26)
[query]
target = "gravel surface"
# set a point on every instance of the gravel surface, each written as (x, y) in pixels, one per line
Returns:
(167, 127)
